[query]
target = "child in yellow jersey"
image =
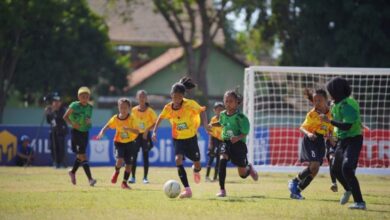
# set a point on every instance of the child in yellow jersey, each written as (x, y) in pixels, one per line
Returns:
(215, 141)
(144, 117)
(313, 145)
(181, 114)
(124, 139)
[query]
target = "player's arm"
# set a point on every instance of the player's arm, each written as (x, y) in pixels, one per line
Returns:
(157, 124)
(203, 116)
(341, 125)
(310, 135)
(102, 131)
(24, 156)
(67, 119)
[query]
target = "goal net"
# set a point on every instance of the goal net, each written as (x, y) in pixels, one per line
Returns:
(276, 107)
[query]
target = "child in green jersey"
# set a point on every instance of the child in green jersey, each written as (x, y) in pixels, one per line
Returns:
(348, 130)
(235, 127)
(79, 116)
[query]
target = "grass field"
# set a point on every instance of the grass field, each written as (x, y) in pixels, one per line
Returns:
(45, 193)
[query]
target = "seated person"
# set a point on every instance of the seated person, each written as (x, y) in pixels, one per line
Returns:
(25, 154)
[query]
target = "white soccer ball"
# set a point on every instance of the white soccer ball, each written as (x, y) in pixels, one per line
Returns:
(172, 188)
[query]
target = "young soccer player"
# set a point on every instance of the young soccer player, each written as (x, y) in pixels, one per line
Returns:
(235, 127)
(348, 130)
(315, 132)
(79, 116)
(25, 153)
(215, 142)
(124, 140)
(144, 117)
(181, 113)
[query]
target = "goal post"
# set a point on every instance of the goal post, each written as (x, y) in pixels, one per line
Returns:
(276, 107)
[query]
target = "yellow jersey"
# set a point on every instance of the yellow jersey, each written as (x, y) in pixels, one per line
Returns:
(143, 119)
(184, 120)
(120, 125)
(215, 131)
(314, 124)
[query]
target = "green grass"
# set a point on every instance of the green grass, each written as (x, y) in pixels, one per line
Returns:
(45, 193)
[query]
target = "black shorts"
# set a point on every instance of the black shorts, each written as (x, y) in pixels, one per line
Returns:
(79, 141)
(237, 152)
(313, 150)
(188, 148)
(126, 151)
(216, 150)
(140, 142)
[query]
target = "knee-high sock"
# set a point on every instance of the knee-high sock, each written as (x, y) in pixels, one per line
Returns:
(209, 162)
(222, 173)
(134, 165)
(183, 175)
(76, 165)
(304, 183)
(146, 163)
(126, 176)
(87, 170)
(332, 176)
(349, 175)
(302, 175)
(216, 167)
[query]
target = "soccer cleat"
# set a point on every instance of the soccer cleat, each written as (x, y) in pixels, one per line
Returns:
(207, 179)
(124, 185)
(293, 186)
(253, 173)
(132, 180)
(344, 199)
(297, 196)
(358, 205)
(333, 187)
(92, 182)
(114, 177)
(222, 193)
(145, 181)
(72, 177)
(185, 194)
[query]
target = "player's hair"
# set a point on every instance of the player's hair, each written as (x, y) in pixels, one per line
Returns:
(310, 94)
(139, 92)
(235, 94)
(178, 88)
(124, 100)
(187, 82)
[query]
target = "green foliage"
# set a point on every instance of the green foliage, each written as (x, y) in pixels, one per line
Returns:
(351, 33)
(62, 46)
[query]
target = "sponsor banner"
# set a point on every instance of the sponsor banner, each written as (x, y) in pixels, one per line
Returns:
(285, 147)
(100, 152)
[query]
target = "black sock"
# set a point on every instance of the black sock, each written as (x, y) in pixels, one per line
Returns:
(216, 168)
(146, 164)
(87, 170)
(332, 176)
(183, 175)
(302, 175)
(208, 171)
(304, 183)
(222, 173)
(133, 168)
(76, 165)
(126, 176)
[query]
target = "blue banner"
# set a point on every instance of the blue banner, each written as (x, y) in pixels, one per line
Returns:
(100, 152)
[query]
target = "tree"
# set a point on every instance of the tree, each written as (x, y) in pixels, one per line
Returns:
(328, 33)
(181, 16)
(56, 45)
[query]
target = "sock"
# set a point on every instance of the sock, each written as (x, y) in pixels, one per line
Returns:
(216, 168)
(146, 164)
(117, 169)
(133, 168)
(76, 165)
(222, 173)
(183, 175)
(126, 176)
(87, 170)
(208, 171)
(302, 175)
(304, 183)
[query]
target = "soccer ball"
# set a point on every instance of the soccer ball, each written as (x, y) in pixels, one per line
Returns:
(171, 188)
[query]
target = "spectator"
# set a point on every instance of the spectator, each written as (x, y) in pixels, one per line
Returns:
(25, 154)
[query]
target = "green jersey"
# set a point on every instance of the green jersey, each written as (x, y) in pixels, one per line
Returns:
(347, 111)
(233, 125)
(80, 114)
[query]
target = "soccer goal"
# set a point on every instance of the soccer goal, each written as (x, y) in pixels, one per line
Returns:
(276, 107)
